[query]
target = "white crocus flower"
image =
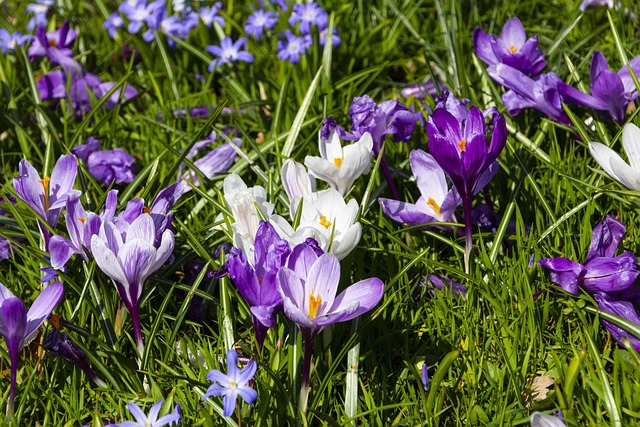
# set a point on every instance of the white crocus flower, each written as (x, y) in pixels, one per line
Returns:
(329, 220)
(296, 181)
(244, 203)
(341, 166)
(612, 163)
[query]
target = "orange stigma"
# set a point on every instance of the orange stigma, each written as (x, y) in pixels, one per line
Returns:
(314, 305)
(324, 222)
(462, 145)
(52, 43)
(338, 161)
(147, 211)
(513, 49)
(45, 184)
(433, 205)
(82, 220)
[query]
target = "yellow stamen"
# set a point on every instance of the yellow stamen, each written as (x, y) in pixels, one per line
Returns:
(147, 424)
(45, 184)
(147, 211)
(324, 222)
(314, 305)
(513, 49)
(462, 144)
(338, 161)
(433, 205)
(82, 220)
(233, 384)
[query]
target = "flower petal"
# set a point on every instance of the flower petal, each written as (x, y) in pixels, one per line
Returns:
(42, 308)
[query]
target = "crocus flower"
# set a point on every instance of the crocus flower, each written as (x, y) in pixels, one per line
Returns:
(113, 23)
(328, 219)
(540, 93)
(256, 279)
(106, 166)
(9, 42)
(541, 420)
(293, 48)
(512, 48)
(39, 10)
(120, 96)
(142, 420)
(243, 203)
(19, 326)
(229, 52)
(437, 202)
(259, 21)
(82, 226)
(446, 286)
(296, 181)
(601, 271)
(387, 118)
(624, 309)
(612, 163)
(56, 45)
(232, 384)
(215, 162)
(421, 90)
(138, 13)
(339, 166)
(47, 196)
(425, 377)
(594, 3)
(209, 15)
(129, 257)
(335, 38)
(308, 14)
(609, 93)
(458, 142)
(311, 301)
(59, 344)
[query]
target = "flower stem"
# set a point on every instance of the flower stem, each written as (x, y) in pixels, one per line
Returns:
(137, 331)
(468, 231)
(12, 389)
(304, 386)
(387, 175)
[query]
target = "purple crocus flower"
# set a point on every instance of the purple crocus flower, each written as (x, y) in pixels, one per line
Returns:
(594, 3)
(19, 326)
(458, 142)
(610, 92)
(540, 93)
(425, 377)
(421, 90)
(59, 344)
(120, 96)
(209, 15)
(256, 280)
(81, 226)
(215, 162)
(106, 166)
(55, 45)
(259, 21)
(292, 49)
(142, 420)
(232, 384)
(9, 42)
(114, 22)
(446, 286)
(39, 10)
(539, 419)
(139, 12)
(308, 14)
(626, 310)
(437, 202)
(310, 299)
(335, 38)
(601, 271)
(47, 196)
(512, 48)
(229, 51)
(129, 257)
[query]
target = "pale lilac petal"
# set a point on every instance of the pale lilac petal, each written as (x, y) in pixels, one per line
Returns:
(42, 308)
